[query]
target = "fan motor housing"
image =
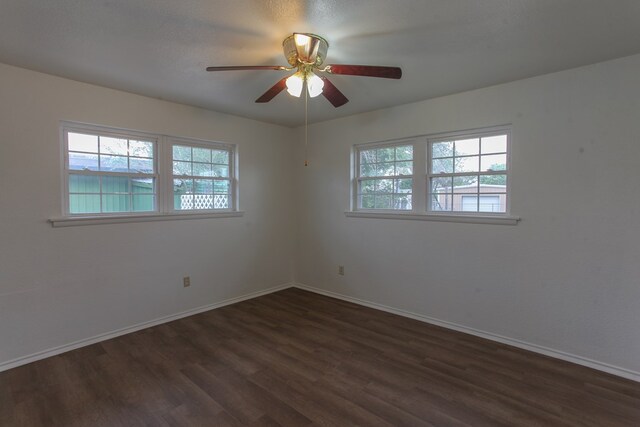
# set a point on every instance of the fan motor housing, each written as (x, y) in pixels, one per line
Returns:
(291, 50)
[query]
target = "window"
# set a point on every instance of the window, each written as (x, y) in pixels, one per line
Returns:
(109, 173)
(115, 172)
(468, 173)
(385, 177)
(201, 177)
(460, 174)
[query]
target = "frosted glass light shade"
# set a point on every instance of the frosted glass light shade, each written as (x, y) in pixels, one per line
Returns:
(294, 85)
(314, 85)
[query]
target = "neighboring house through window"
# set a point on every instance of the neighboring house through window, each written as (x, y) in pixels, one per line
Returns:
(462, 173)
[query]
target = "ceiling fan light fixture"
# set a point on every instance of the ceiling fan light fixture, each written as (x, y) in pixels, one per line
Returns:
(305, 48)
(295, 84)
(314, 85)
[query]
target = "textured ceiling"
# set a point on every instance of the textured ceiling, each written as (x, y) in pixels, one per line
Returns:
(161, 48)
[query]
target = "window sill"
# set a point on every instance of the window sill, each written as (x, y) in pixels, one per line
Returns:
(98, 220)
(474, 219)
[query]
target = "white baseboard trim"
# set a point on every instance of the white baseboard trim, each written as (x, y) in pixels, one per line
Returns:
(127, 330)
(600, 366)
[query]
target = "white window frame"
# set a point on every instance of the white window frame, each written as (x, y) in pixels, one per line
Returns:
(421, 171)
(358, 179)
(163, 174)
(170, 142)
(479, 133)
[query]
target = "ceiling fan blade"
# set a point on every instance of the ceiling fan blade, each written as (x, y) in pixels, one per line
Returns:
(273, 90)
(248, 67)
(365, 70)
(332, 93)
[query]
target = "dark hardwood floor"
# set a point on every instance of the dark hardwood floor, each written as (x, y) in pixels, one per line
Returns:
(294, 358)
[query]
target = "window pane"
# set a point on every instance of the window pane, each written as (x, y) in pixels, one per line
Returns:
(384, 186)
(115, 184)
(80, 161)
(385, 169)
(220, 157)
(465, 147)
(385, 154)
(201, 155)
(113, 146)
(404, 153)
(203, 186)
(84, 184)
(82, 142)
(143, 203)
(221, 171)
(491, 204)
(115, 203)
(404, 185)
(383, 202)
(220, 201)
(140, 185)
(181, 168)
(368, 169)
(202, 169)
(494, 144)
(494, 162)
(183, 193)
(183, 201)
(467, 164)
(84, 203)
(469, 204)
(367, 156)
(140, 165)
(404, 168)
(442, 165)
(493, 180)
(441, 185)
(221, 186)
(141, 149)
(441, 149)
(181, 153)
(465, 184)
(442, 202)
(402, 202)
(367, 186)
(113, 163)
(182, 186)
(367, 202)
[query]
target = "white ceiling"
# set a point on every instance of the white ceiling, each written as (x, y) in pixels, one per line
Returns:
(161, 48)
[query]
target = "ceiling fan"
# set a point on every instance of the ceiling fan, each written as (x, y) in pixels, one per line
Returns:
(305, 53)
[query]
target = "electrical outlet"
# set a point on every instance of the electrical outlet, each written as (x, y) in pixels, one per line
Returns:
(341, 270)
(186, 282)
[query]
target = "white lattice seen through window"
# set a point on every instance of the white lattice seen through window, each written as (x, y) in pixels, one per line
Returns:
(201, 177)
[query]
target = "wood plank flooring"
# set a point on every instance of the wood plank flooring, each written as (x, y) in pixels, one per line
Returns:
(294, 358)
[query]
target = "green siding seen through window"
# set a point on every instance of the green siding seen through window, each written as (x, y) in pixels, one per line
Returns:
(109, 173)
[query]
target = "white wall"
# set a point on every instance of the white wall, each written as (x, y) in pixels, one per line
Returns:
(567, 277)
(66, 284)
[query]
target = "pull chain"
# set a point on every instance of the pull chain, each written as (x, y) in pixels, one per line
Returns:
(306, 137)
